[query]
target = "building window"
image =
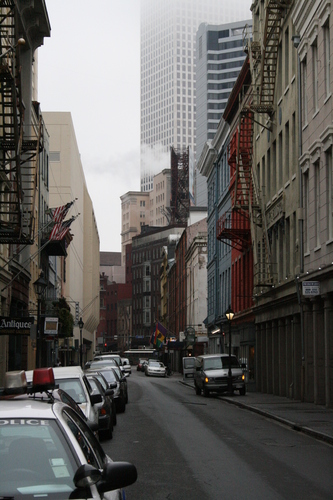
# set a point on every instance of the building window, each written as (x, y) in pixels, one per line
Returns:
(268, 174)
(280, 173)
(317, 203)
(306, 212)
(263, 173)
(287, 252)
(315, 75)
(273, 191)
(327, 57)
(54, 156)
(286, 57)
(294, 159)
(286, 152)
(329, 194)
(304, 92)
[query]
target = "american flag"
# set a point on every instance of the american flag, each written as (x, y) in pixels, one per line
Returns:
(58, 214)
(60, 230)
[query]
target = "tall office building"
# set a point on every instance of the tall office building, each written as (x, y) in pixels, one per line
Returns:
(168, 81)
(220, 56)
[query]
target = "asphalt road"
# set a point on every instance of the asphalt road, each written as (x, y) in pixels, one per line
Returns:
(190, 447)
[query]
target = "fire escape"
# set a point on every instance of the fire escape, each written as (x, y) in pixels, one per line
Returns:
(247, 221)
(20, 142)
(180, 197)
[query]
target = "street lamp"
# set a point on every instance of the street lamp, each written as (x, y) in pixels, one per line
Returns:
(81, 325)
(230, 315)
(39, 285)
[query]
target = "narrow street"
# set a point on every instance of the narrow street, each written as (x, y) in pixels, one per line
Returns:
(190, 447)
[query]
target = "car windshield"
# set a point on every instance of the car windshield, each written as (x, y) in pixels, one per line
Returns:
(102, 381)
(73, 387)
(110, 376)
(96, 388)
(35, 460)
(219, 363)
(155, 364)
(116, 359)
(96, 365)
(118, 372)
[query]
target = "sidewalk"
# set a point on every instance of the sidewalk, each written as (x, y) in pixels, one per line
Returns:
(311, 419)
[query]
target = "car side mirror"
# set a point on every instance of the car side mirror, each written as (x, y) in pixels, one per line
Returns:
(109, 392)
(117, 475)
(96, 398)
(113, 385)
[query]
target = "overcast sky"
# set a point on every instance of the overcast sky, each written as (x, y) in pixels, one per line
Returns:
(90, 66)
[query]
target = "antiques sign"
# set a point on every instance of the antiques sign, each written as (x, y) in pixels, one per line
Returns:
(16, 326)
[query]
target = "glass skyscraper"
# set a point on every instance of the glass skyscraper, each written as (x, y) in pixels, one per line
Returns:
(168, 74)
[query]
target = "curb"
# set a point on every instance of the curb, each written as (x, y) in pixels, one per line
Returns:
(296, 427)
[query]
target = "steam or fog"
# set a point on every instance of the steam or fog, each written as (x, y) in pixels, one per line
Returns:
(154, 158)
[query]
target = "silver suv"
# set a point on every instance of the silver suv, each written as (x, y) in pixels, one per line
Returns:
(211, 374)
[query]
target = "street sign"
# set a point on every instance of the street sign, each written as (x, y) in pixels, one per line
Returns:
(310, 288)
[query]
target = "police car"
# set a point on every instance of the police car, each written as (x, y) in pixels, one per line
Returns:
(47, 450)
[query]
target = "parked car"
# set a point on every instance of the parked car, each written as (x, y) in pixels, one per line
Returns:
(126, 365)
(141, 365)
(96, 364)
(105, 418)
(211, 374)
(106, 357)
(155, 368)
(123, 380)
(106, 386)
(72, 380)
(112, 378)
(47, 450)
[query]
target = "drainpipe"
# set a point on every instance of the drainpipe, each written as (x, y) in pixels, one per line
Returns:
(296, 40)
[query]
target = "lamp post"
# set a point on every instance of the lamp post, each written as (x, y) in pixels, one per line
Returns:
(39, 285)
(81, 325)
(230, 314)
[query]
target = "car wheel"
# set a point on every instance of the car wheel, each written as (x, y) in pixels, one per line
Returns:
(122, 406)
(206, 392)
(197, 390)
(242, 391)
(108, 433)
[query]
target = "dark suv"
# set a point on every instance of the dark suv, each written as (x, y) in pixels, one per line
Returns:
(211, 374)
